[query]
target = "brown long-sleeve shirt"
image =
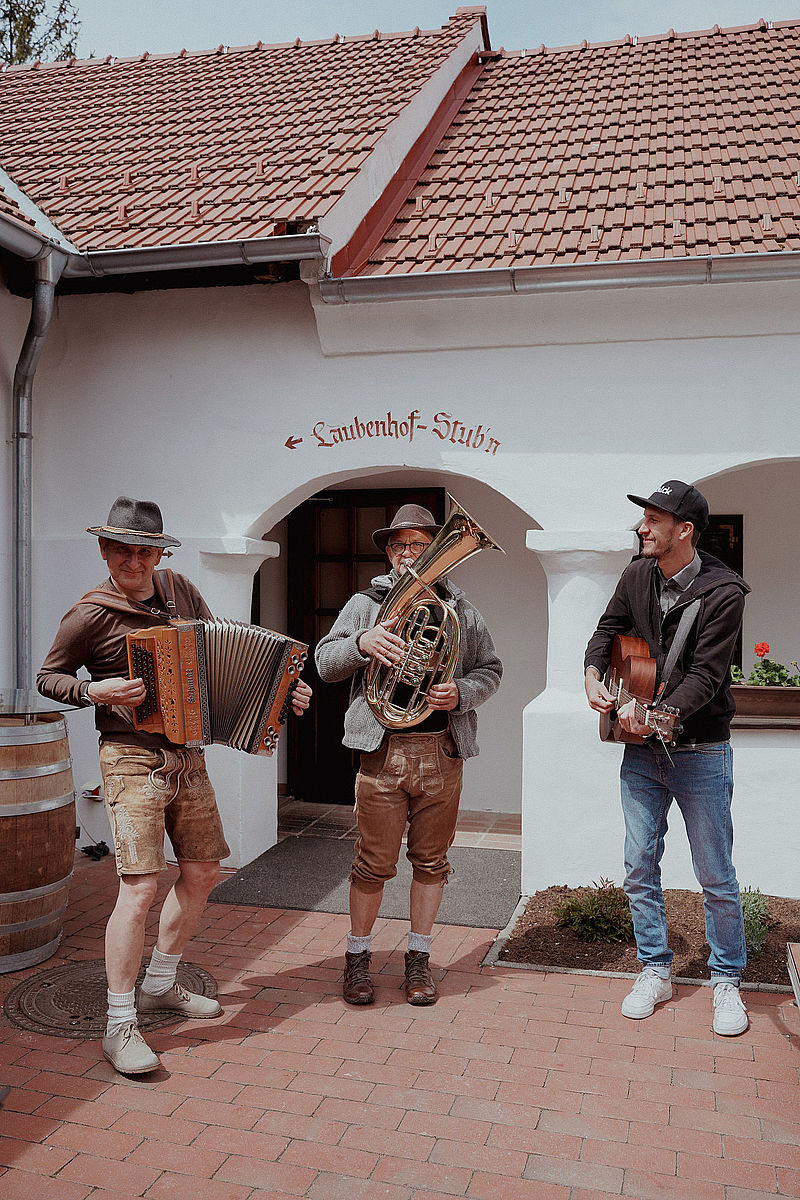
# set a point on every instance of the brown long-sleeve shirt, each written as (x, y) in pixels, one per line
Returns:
(93, 636)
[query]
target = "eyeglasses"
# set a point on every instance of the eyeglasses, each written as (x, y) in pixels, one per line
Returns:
(398, 547)
(123, 550)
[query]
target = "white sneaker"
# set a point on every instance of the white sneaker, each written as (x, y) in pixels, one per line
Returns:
(730, 1014)
(648, 991)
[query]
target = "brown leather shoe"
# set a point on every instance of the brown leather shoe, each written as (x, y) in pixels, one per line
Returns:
(357, 984)
(420, 988)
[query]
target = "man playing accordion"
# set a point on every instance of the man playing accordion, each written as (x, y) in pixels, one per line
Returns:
(150, 784)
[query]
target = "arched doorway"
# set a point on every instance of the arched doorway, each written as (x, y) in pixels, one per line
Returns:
(331, 556)
(509, 590)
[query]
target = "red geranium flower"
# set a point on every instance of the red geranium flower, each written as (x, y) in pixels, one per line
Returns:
(761, 649)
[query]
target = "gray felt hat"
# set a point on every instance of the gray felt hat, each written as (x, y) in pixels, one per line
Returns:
(410, 516)
(136, 523)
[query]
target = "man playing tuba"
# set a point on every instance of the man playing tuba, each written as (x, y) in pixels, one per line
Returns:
(408, 777)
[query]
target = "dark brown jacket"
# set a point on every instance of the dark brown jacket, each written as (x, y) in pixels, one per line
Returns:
(93, 636)
(700, 685)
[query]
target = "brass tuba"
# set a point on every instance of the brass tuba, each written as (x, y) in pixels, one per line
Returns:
(397, 695)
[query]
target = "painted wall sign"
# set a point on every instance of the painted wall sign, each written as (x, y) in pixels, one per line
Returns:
(444, 426)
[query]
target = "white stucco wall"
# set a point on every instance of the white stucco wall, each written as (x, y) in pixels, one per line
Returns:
(769, 498)
(190, 397)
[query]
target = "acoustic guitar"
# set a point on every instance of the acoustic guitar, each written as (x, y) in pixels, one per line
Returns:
(632, 676)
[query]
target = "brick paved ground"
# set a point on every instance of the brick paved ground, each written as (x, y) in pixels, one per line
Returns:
(517, 1085)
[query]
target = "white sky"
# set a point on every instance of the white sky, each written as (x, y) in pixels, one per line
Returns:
(125, 27)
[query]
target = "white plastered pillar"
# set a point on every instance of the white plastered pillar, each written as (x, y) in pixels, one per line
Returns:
(571, 822)
(246, 784)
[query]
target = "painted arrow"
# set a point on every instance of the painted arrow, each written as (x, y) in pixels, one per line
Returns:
(292, 443)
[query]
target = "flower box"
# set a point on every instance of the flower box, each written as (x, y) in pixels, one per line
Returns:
(766, 706)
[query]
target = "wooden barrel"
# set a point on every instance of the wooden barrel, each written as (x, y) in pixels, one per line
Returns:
(37, 836)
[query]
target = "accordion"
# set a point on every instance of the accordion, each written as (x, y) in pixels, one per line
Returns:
(215, 681)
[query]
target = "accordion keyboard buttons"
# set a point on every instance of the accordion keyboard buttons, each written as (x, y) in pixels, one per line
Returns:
(144, 668)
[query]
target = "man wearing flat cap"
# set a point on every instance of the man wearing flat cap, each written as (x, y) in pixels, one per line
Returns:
(682, 600)
(151, 785)
(409, 778)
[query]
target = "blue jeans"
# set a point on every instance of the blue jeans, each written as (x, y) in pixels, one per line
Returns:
(701, 781)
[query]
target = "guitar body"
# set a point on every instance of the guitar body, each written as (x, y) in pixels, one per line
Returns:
(631, 666)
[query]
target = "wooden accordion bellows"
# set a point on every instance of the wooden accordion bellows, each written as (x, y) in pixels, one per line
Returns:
(215, 681)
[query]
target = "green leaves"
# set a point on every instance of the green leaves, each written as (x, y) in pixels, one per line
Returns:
(755, 910)
(768, 673)
(36, 29)
(599, 914)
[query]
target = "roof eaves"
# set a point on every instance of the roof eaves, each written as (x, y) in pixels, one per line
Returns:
(666, 272)
(41, 222)
(296, 247)
(25, 242)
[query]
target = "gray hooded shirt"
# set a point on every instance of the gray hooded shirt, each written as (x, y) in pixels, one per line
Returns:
(477, 675)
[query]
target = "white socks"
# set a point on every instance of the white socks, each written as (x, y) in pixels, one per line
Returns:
(160, 975)
(357, 945)
(159, 978)
(121, 1011)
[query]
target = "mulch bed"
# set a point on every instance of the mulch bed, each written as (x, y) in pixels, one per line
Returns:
(538, 940)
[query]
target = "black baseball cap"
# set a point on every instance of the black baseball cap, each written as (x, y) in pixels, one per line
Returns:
(681, 499)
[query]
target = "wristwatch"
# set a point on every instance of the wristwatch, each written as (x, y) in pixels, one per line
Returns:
(83, 693)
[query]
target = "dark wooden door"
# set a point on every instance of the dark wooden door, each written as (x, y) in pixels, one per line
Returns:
(724, 538)
(331, 556)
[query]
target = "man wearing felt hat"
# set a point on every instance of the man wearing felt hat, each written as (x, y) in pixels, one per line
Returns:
(151, 785)
(411, 777)
(688, 607)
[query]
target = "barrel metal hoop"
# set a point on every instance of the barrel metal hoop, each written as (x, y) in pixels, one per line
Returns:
(36, 772)
(28, 735)
(34, 893)
(36, 806)
(28, 958)
(36, 923)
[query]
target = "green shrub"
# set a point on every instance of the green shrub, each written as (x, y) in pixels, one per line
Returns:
(755, 910)
(599, 914)
(767, 672)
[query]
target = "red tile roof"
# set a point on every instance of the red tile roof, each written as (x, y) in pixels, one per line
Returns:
(215, 146)
(10, 208)
(682, 144)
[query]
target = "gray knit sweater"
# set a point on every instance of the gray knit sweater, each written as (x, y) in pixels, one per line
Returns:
(477, 676)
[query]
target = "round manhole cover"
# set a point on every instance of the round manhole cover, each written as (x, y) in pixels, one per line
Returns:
(70, 1001)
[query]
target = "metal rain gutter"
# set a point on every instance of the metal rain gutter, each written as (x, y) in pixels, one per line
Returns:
(497, 281)
(47, 271)
(27, 243)
(289, 247)
(51, 261)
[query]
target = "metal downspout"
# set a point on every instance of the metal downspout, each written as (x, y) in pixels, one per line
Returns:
(47, 272)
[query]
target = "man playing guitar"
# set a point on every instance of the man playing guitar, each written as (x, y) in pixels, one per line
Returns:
(651, 598)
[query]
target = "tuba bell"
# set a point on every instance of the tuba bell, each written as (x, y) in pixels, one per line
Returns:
(398, 695)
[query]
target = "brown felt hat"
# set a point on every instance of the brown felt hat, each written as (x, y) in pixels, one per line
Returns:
(410, 516)
(136, 523)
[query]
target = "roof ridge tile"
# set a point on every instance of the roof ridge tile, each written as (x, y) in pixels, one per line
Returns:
(334, 39)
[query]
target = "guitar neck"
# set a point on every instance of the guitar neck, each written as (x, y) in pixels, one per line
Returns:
(623, 696)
